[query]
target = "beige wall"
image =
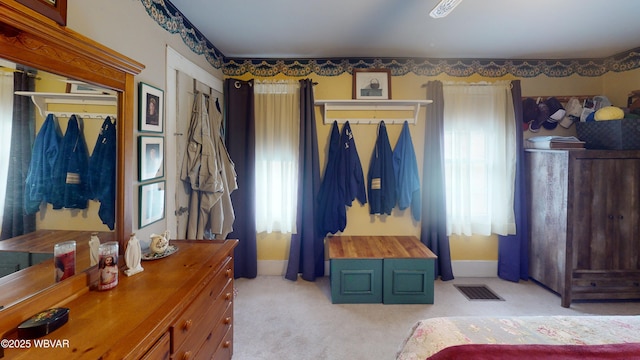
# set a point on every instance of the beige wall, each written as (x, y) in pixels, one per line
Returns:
(360, 222)
(125, 26)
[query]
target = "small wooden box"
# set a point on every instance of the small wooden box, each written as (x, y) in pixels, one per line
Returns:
(374, 269)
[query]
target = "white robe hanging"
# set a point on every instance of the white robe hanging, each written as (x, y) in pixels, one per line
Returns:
(211, 175)
(222, 216)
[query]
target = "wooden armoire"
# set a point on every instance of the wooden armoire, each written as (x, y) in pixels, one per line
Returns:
(584, 212)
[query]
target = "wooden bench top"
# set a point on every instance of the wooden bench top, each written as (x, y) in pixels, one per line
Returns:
(378, 247)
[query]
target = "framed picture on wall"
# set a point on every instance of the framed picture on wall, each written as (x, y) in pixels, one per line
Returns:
(151, 157)
(372, 84)
(150, 105)
(55, 10)
(151, 203)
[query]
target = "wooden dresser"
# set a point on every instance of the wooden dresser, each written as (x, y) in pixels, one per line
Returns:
(179, 307)
(585, 222)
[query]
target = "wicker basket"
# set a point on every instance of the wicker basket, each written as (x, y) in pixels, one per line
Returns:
(610, 135)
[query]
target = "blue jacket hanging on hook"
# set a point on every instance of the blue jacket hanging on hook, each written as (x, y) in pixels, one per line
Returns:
(39, 177)
(405, 167)
(331, 214)
(351, 175)
(102, 173)
(70, 175)
(381, 178)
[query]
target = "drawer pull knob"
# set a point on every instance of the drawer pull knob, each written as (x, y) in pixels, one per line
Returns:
(229, 272)
(227, 344)
(227, 296)
(187, 325)
(186, 356)
(227, 320)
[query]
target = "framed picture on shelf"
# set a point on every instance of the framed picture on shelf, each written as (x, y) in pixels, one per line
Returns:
(151, 157)
(372, 84)
(151, 204)
(151, 100)
(80, 87)
(55, 10)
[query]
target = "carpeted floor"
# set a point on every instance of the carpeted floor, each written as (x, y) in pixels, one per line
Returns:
(278, 319)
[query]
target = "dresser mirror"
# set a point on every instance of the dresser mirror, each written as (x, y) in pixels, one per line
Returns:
(62, 55)
(62, 102)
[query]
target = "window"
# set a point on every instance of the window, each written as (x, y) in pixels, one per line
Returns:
(480, 158)
(277, 108)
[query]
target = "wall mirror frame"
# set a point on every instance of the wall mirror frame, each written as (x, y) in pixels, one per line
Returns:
(53, 9)
(35, 40)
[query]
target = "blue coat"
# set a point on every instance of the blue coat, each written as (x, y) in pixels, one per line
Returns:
(40, 175)
(405, 168)
(102, 173)
(70, 187)
(332, 214)
(350, 176)
(381, 178)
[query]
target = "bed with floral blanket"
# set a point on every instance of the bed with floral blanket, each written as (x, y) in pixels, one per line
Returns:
(523, 337)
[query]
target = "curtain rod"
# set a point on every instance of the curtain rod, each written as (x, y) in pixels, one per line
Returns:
(8, 69)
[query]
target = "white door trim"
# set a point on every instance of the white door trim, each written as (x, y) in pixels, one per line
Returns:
(177, 62)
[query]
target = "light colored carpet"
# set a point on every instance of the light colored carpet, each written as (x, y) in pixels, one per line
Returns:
(278, 319)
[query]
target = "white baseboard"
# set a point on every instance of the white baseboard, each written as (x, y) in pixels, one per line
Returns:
(461, 268)
(475, 268)
(272, 267)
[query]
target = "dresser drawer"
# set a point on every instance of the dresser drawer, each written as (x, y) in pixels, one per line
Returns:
(225, 348)
(161, 350)
(216, 293)
(205, 322)
(217, 333)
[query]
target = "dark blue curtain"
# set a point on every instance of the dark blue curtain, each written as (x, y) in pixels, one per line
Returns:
(306, 254)
(513, 250)
(15, 220)
(434, 205)
(240, 142)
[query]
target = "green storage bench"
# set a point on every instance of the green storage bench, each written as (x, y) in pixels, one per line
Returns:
(380, 269)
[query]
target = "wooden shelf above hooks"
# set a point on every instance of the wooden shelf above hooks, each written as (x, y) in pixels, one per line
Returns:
(41, 99)
(385, 106)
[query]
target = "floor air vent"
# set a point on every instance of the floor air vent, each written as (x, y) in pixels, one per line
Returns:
(478, 292)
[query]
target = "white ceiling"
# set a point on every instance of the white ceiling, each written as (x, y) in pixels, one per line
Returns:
(490, 29)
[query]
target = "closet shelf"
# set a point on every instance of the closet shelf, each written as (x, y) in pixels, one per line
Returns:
(385, 107)
(42, 99)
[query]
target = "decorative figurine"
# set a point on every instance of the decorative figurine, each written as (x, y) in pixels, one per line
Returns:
(159, 243)
(94, 244)
(133, 256)
(108, 265)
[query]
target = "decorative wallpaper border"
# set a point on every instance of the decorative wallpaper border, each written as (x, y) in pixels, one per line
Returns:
(170, 18)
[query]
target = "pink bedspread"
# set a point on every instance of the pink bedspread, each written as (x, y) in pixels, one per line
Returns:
(538, 352)
(430, 336)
